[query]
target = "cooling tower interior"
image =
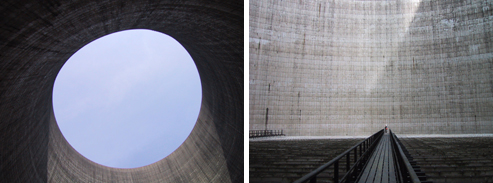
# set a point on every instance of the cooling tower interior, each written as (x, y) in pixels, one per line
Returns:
(37, 38)
(338, 67)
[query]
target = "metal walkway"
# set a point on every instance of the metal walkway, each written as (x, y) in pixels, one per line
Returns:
(380, 159)
(380, 167)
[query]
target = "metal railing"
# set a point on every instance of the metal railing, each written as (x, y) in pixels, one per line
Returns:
(265, 133)
(405, 172)
(366, 148)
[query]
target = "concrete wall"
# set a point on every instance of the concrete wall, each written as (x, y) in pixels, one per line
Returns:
(38, 36)
(343, 67)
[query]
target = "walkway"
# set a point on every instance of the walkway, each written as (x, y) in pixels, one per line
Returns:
(380, 167)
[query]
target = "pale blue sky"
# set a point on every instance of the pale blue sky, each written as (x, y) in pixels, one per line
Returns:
(128, 99)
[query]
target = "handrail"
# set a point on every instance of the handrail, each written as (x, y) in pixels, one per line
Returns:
(409, 175)
(366, 145)
(265, 133)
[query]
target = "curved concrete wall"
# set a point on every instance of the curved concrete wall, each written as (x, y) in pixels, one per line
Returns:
(349, 67)
(37, 37)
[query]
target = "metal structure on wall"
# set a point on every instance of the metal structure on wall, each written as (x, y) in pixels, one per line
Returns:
(37, 37)
(351, 67)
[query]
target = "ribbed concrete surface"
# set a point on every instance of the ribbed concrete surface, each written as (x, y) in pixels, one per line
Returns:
(284, 161)
(37, 37)
(349, 67)
(453, 160)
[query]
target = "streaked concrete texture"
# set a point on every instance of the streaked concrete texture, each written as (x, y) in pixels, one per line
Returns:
(37, 37)
(349, 67)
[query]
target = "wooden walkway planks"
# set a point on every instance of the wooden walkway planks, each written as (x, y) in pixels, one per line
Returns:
(380, 167)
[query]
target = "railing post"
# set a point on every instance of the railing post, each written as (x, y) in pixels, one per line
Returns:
(363, 146)
(360, 152)
(347, 161)
(355, 154)
(336, 172)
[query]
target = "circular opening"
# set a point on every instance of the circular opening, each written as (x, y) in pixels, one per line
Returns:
(128, 99)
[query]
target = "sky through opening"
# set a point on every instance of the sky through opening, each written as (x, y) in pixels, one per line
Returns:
(128, 99)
